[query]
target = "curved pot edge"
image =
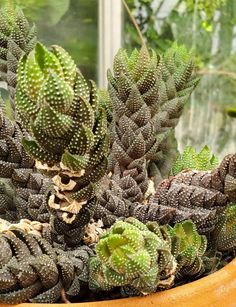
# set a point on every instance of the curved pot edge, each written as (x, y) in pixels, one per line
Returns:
(217, 289)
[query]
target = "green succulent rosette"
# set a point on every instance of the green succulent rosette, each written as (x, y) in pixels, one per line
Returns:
(132, 255)
(188, 247)
(191, 160)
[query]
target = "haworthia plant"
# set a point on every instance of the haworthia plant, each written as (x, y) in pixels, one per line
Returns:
(197, 195)
(223, 238)
(147, 92)
(188, 247)
(60, 110)
(16, 38)
(191, 160)
(66, 118)
(32, 271)
(134, 256)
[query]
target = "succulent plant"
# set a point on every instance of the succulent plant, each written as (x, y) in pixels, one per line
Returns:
(16, 38)
(28, 187)
(191, 160)
(178, 80)
(31, 270)
(197, 195)
(132, 255)
(68, 129)
(223, 238)
(8, 208)
(59, 167)
(188, 247)
(147, 93)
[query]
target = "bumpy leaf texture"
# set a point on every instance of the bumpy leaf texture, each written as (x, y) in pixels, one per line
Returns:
(147, 93)
(29, 187)
(8, 209)
(191, 160)
(32, 271)
(16, 38)
(197, 195)
(132, 255)
(223, 238)
(68, 128)
(188, 247)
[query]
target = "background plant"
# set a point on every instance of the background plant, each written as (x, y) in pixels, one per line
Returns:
(210, 32)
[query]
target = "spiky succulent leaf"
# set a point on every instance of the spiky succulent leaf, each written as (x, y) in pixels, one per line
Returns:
(133, 255)
(191, 160)
(68, 131)
(188, 247)
(223, 238)
(17, 39)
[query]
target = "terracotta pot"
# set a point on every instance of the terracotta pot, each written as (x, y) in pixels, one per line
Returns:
(215, 290)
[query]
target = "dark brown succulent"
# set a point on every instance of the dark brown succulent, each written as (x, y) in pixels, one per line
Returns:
(197, 195)
(32, 271)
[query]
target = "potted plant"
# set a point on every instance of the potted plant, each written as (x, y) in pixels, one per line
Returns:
(85, 212)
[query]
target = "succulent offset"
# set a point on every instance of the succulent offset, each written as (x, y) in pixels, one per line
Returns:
(191, 160)
(132, 255)
(188, 247)
(61, 112)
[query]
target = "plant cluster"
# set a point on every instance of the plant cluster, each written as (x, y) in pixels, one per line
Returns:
(84, 206)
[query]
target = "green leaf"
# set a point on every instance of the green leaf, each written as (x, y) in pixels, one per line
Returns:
(82, 141)
(191, 160)
(53, 123)
(56, 93)
(39, 154)
(74, 162)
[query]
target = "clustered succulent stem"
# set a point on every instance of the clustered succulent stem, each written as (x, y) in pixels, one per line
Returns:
(68, 135)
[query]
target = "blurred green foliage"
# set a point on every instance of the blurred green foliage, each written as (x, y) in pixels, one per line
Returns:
(49, 12)
(207, 6)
